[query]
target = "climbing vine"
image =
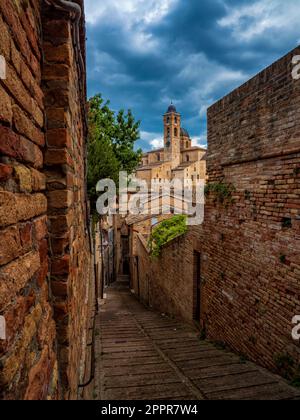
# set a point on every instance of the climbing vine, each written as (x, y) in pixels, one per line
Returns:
(223, 192)
(165, 232)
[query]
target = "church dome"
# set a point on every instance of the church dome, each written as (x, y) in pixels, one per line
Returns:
(171, 109)
(184, 133)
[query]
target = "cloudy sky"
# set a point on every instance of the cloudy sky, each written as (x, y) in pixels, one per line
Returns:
(144, 53)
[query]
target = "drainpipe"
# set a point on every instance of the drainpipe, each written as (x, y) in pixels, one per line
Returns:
(76, 12)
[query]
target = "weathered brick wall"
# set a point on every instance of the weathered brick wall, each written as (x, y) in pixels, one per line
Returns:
(45, 276)
(251, 248)
(165, 284)
(65, 168)
(28, 356)
(250, 244)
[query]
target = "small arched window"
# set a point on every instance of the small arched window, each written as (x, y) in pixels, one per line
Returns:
(158, 157)
(168, 120)
(175, 120)
(175, 132)
(187, 158)
(187, 144)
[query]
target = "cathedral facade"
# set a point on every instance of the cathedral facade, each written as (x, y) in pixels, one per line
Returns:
(178, 159)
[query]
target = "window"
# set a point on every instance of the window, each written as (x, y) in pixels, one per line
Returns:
(168, 120)
(187, 158)
(169, 131)
(175, 132)
(158, 157)
(187, 144)
(175, 120)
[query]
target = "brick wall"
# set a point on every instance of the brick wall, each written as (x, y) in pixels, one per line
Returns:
(45, 279)
(65, 169)
(249, 245)
(28, 356)
(165, 284)
(251, 248)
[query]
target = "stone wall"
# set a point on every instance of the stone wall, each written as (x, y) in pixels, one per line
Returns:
(249, 243)
(45, 277)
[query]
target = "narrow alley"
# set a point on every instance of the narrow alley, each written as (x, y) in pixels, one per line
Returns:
(142, 355)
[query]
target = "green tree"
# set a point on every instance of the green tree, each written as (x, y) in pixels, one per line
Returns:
(111, 144)
(102, 162)
(126, 134)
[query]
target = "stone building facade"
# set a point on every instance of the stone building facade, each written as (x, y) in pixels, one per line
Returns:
(238, 274)
(178, 158)
(46, 281)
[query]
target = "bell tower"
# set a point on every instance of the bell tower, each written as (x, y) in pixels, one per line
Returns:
(172, 126)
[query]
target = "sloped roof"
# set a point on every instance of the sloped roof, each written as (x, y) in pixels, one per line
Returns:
(184, 132)
(193, 148)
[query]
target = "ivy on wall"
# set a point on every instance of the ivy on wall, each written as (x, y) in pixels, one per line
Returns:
(222, 192)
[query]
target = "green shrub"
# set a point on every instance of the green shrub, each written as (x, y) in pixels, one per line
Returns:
(165, 232)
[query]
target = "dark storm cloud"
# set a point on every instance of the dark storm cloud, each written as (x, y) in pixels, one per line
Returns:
(143, 54)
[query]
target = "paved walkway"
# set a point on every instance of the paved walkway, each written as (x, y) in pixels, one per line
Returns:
(142, 355)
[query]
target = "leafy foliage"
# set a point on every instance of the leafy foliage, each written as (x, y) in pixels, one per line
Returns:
(222, 191)
(165, 232)
(111, 144)
(126, 134)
